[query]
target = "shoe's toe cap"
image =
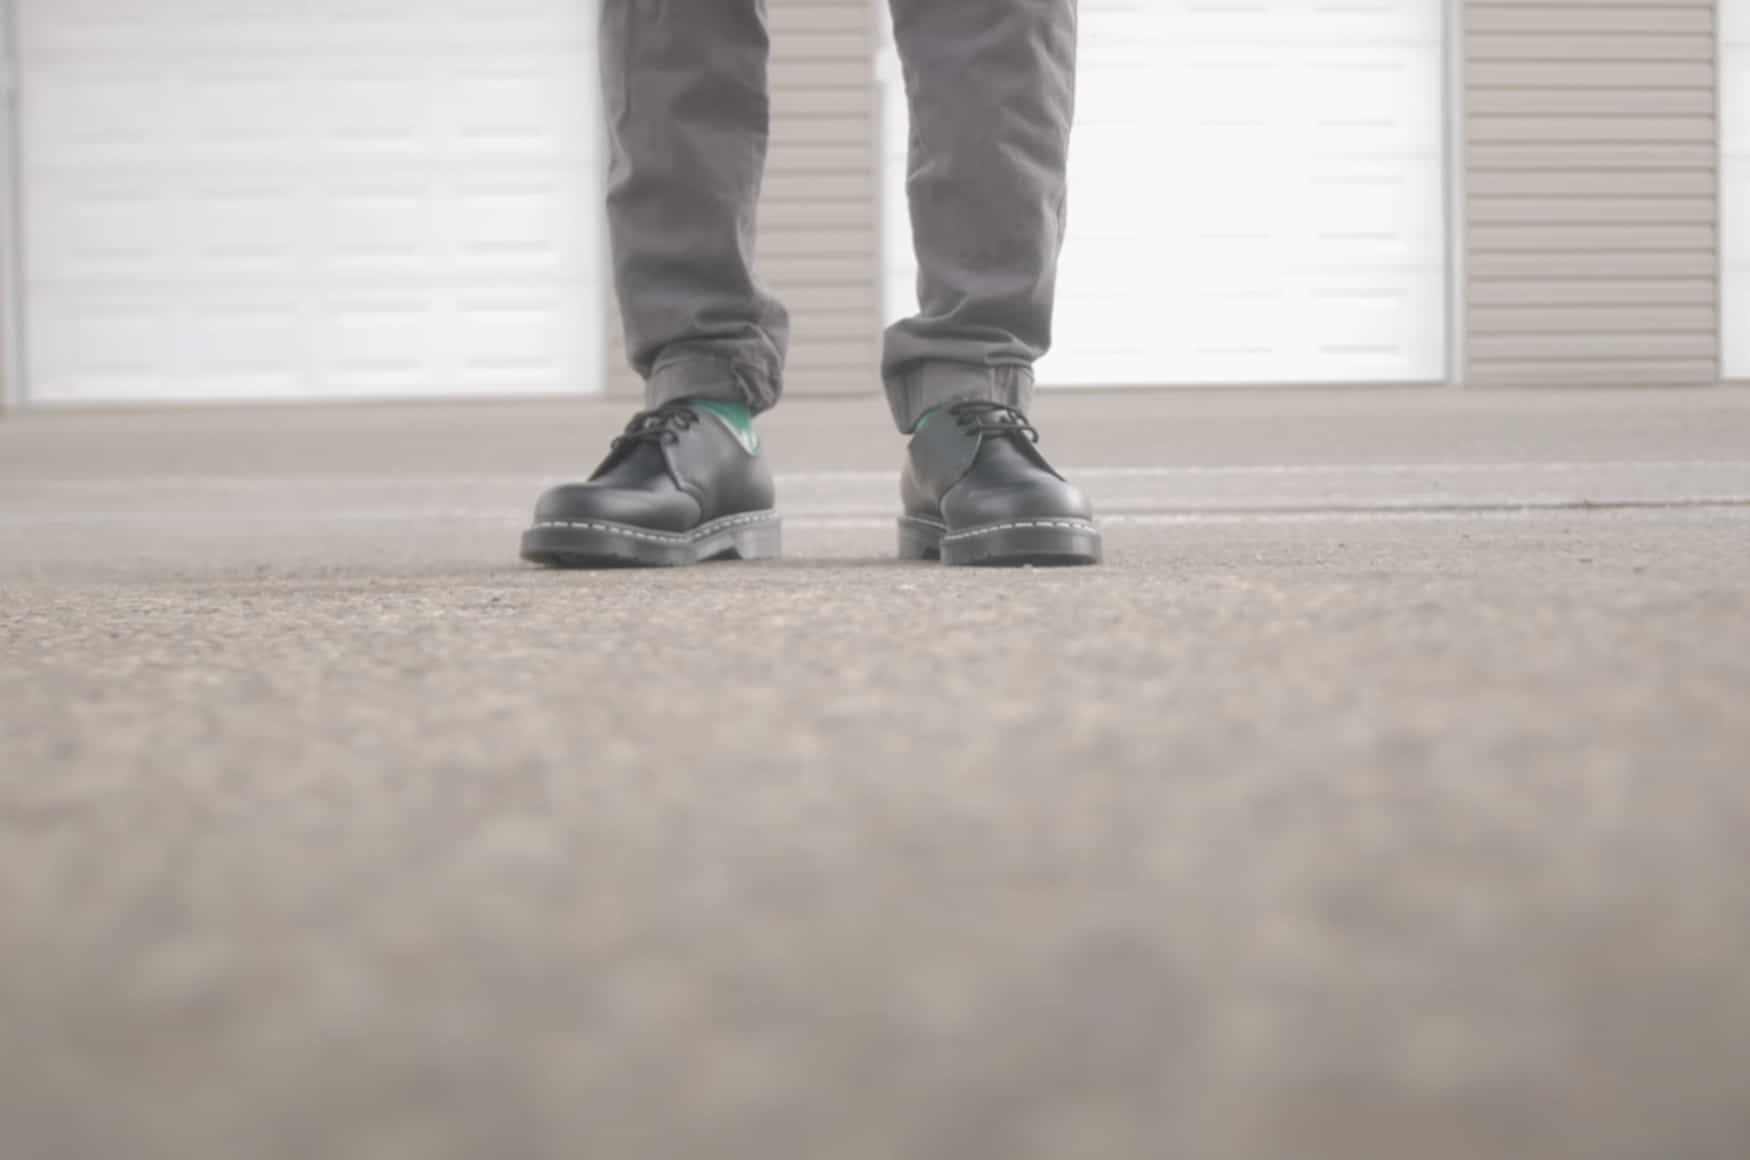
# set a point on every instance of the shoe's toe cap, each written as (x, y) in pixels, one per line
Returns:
(1047, 497)
(664, 510)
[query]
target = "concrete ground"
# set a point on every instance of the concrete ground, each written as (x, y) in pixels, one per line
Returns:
(1387, 796)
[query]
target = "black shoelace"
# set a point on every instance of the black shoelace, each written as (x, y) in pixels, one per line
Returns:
(662, 425)
(992, 419)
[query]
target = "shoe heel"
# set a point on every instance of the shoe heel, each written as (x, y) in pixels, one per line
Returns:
(919, 541)
(759, 542)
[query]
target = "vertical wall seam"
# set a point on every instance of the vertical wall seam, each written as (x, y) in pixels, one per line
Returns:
(1729, 370)
(1457, 221)
(14, 363)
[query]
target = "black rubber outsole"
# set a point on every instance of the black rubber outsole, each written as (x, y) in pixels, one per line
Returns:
(1042, 543)
(602, 544)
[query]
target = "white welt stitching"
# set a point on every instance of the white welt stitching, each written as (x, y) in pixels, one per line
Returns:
(1071, 525)
(698, 533)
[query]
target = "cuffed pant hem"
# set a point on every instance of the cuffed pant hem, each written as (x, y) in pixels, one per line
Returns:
(923, 387)
(698, 376)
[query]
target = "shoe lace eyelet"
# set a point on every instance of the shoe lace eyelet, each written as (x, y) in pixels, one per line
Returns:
(660, 426)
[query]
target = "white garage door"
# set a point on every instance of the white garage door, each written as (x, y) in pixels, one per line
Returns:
(1259, 195)
(1735, 190)
(307, 198)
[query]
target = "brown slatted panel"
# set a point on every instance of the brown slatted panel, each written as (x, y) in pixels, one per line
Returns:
(1591, 208)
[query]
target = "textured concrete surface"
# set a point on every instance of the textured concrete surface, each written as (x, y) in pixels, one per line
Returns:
(1388, 796)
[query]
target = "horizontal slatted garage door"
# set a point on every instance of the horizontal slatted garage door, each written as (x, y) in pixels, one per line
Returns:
(1735, 184)
(1259, 195)
(1592, 166)
(269, 199)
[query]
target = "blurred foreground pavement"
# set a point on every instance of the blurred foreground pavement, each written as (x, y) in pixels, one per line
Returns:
(1386, 798)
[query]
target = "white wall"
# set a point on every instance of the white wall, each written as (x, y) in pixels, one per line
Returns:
(1735, 185)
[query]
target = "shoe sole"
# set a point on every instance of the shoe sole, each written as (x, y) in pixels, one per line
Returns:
(1018, 543)
(604, 544)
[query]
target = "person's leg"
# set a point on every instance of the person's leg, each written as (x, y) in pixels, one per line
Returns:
(684, 90)
(992, 90)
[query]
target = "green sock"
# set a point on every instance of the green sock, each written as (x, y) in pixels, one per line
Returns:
(928, 415)
(739, 418)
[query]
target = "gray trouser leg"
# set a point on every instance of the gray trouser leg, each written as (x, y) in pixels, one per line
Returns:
(684, 90)
(992, 91)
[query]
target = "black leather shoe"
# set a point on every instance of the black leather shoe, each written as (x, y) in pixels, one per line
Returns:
(977, 491)
(680, 486)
